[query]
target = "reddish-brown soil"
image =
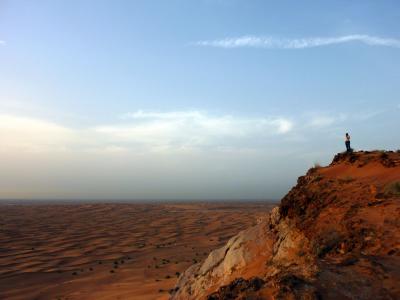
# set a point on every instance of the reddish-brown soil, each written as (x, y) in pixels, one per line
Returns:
(110, 251)
(335, 235)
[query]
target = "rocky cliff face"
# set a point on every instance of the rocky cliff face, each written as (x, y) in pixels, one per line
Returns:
(335, 235)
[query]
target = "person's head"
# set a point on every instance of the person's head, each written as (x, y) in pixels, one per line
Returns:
(347, 134)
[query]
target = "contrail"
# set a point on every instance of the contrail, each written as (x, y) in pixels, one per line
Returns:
(302, 43)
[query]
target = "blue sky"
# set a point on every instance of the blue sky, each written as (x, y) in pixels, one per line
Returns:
(190, 99)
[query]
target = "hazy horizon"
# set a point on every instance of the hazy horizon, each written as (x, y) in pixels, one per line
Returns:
(190, 99)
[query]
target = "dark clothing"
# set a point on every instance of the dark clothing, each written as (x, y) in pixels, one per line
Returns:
(348, 146)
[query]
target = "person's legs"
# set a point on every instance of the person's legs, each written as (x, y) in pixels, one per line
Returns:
(347, 146)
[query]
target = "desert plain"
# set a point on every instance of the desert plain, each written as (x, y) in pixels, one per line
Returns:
(76, 250)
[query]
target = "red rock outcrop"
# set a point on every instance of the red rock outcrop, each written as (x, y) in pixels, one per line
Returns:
(335, 235)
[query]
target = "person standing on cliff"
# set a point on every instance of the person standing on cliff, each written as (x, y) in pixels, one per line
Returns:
(347, 142)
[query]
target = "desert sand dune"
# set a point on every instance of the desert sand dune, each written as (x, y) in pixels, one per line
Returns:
(110, 251)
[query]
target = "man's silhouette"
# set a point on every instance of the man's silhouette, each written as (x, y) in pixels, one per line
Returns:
(347, 142)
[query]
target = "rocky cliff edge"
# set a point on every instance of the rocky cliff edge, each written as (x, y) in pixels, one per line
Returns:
(335, 235)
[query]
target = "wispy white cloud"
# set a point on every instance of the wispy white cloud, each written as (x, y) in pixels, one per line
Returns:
(150, 155)
(319, 120)
(366, 115)
(33, 135)
(192, 128)
(251, 41)
(2, 42)
(140, 114)
(147, 131)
